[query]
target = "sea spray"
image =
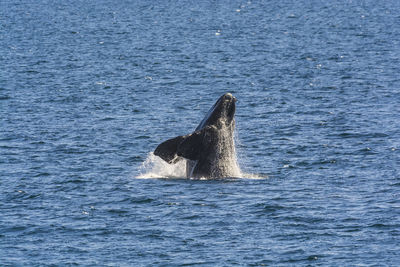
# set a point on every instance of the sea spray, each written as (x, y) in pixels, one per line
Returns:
(155, 167)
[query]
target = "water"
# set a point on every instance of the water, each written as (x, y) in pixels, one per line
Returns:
(88, 89)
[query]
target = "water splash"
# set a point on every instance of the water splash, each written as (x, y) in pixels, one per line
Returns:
(155, 167)
(226, 151)
(243, 161)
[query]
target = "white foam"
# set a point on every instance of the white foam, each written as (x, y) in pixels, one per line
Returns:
(155, 167)
(244, 175)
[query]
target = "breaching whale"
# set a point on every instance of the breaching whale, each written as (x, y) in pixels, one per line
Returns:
(210, 149)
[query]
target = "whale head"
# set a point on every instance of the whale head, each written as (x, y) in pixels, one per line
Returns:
(222, 113)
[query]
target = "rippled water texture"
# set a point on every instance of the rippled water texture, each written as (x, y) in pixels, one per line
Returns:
(88, 89)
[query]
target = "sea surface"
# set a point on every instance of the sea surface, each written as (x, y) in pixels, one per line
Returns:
(88, 89)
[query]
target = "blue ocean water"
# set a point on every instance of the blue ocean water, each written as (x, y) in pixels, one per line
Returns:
(88, 89)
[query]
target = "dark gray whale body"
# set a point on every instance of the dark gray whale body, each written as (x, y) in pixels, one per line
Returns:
(210, 149)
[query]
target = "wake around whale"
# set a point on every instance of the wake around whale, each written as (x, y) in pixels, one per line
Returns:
(210, 149)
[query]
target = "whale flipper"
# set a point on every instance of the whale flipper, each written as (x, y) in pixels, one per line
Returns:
(168, 150)
(191, 145)
(186, 146)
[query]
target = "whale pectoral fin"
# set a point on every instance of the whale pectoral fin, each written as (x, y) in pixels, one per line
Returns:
(191, 145)
(168, 150)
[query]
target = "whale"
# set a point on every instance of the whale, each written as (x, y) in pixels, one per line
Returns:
(209, 151)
